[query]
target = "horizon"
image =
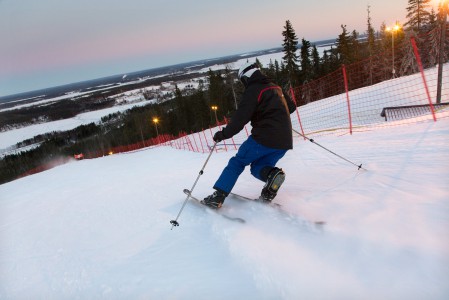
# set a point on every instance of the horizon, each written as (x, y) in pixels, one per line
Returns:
(4, 97)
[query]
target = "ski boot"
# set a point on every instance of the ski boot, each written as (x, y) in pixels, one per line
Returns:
(275, 179)
(215, 200)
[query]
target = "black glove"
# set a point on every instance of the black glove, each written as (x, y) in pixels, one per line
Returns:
(219, 136)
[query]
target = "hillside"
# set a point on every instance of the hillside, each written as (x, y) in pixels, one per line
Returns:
(100, 228)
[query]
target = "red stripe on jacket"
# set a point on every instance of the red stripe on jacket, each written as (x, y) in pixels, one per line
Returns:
(266, 89)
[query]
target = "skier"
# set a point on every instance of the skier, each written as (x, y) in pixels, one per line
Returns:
(268, 108)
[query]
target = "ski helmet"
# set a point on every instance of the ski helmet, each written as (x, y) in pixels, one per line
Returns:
(247, 69)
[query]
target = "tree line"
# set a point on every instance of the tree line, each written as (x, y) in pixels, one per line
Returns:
(375, 47)
(187, 111)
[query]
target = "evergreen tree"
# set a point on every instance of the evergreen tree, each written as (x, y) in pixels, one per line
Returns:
(259, 64)
(438, 44)
(384, 59)
(270, 70)
(355, 46)
(417, 15)
(220, 94)
(433, 18)
(436, 35)
(330, 61)
(277, 68)
(230, 82)
(372, 49)
(316, 63)
(306, 64)
(371, 38)
(273, 71)
(344, 49)
(182, 111)
(290, 58)
(214, 94)
(200, 111)
(325, 62)
(409, 64)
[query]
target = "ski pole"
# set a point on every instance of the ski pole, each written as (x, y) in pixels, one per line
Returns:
(175, 221)
(311, 140)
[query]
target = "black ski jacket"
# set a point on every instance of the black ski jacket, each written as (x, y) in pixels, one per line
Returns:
(268, 108)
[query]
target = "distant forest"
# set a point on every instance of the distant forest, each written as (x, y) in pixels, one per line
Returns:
(190, 110)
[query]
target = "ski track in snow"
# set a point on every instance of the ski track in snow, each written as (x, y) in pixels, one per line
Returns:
(100, 229)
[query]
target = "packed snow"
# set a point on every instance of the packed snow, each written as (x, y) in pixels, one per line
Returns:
(100, 229)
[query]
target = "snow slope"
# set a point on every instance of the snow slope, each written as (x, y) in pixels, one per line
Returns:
(100, 229)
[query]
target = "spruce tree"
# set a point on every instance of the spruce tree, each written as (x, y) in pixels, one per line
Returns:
(306, 64)
(290, 58)
(344, 48)
(270, 71)
(325, 62)
(277, 72)
(316, 63)
(433, 18)
(371, 45)
(444, 45)
(370, 35)
(229, 81)
(182, 112)
(417, 15)
(356, 51)
(258, 63)
(436, 35)
(408, 60)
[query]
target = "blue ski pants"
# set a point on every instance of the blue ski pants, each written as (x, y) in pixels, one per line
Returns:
(249, 153)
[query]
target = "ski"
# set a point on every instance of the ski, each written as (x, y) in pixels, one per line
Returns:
(217, 211)
(277, 206)
(255, 200)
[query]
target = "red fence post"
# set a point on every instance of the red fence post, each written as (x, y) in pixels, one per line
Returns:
(194, 140)
(207, 143)
(189, 143)
(347, 97)
(179, 141)
(418, 59)
(184, 142)
(202, 147)
(246, 130)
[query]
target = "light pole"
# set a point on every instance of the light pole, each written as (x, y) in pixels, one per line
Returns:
(393, 30)
(444, 10)
(155, 121)
(214, 108)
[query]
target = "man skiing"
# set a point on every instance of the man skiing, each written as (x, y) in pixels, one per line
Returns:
(268, 108)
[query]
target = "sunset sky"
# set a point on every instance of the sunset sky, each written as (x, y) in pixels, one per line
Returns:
(47, 43)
